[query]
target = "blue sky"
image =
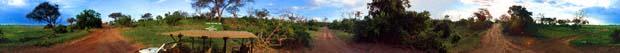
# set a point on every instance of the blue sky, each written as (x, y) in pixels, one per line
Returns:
(598, 11)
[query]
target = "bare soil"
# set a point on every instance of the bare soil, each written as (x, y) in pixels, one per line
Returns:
(105, 40)
(495, 42)
(327, 42)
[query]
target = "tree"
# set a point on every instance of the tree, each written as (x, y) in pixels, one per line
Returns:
(482, 15)
(115, 15)
(45, 12)
(125, 20)
(147, 16)
(88, 19)
(579, 20)
(615, 35)
(174, 18)
(521, 22)
(71, 20)
(159, 17)
(218, 6)
(260, 13)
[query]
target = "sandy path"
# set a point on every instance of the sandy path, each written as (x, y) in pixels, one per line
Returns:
(106, 40)
(327, 42)
(495, 42)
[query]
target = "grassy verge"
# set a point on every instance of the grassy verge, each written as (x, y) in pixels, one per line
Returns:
(600, 39)
(36, 36)
(343, 35)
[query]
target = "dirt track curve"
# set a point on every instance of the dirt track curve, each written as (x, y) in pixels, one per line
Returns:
(326, 42)
(105, 40)
(495, 42)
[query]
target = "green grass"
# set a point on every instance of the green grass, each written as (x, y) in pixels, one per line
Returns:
(20, 35)
(343, 35)
(602, 38)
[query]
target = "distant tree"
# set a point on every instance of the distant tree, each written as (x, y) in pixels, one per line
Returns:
(615, 35)
(482, 15)
(45, 12)
(88, 19)
(262, 13)
(563, 22)
(579, 20)
(115, 15)
(71, 20)
(159, 17)
(174, 18)
(125, 20)
(218, 6)
(147, 16)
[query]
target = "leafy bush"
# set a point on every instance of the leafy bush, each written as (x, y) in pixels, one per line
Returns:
(174, 18)
(60, 29)
(87, 19)
(615, 36)
(125, 21)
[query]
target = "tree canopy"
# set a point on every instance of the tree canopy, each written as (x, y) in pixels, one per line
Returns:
(45, 12)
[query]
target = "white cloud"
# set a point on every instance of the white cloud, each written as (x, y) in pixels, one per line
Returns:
(14, 3)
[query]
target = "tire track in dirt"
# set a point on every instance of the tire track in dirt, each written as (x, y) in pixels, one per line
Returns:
(495, 42)
(561, 44)
(105, 40)
(325, 42)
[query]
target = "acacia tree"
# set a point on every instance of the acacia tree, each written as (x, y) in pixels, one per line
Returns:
(219, 6)
(71, 20)
(45, 12)
(260, 13)
(147, 16)
(115, 15)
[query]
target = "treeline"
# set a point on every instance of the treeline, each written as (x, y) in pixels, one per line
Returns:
(389, 22)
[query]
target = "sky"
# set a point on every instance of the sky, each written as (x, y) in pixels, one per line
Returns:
(599, 12)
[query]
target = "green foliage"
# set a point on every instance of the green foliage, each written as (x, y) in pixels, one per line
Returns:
(615, 35)
(18, 36)
(521, 22)
(60, 29)
(125, 21)
(88, 19)
(115, 15)
(174, 18)
(45, 12)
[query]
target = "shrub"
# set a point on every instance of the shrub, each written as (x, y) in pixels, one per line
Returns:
(60, 29)
(125, 21)
(615, 36)
(87, 19)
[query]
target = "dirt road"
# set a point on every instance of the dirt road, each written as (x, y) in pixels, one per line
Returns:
(105, 40)
(327, 42)
(495, 42)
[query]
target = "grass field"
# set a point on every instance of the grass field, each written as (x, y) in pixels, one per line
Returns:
(21, 35)
(601, 38)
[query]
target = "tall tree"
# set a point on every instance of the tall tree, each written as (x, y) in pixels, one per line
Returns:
(147, 16)
(115, 15)
(71, 20)
(88, 19)
(521, 21)
(45, 12)
(219, 6)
